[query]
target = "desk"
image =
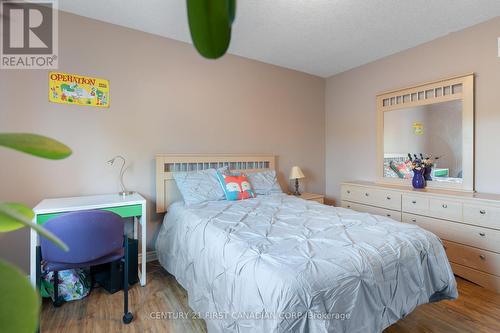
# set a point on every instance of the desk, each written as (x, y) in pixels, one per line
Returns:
(129, 206)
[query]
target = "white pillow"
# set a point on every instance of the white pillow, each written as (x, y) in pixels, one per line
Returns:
(199, 186)
(264, 182)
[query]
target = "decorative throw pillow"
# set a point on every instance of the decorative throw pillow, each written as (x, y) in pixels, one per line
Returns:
(236, 187)
(264, 182)
(400, 169)
(199, 186)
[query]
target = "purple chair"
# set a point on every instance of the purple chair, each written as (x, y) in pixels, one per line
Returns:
(94, 237)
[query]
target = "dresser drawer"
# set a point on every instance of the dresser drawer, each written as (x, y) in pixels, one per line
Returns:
(445, 209)
(395, 215)
(482, 238)
(482, 215)
(372, 196)
(387, 199)
(482, 260)
(488, 281)
(415, 204)
(352, 193)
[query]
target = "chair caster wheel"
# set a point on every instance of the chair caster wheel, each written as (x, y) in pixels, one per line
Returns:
(127, 318)
(58, 302)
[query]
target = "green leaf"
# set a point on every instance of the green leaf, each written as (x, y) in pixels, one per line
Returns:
(24, 215)
(210, 25)
(19, 305)
(35, 144)
(10, 223)
(231, 9)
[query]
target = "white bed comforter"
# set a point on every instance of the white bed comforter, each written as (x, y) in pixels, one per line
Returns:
(282, 264)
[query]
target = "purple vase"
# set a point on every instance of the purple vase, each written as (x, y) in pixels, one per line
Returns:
(418, 178)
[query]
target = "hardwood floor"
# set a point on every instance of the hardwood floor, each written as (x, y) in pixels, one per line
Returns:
(102, 312)
(477, 310)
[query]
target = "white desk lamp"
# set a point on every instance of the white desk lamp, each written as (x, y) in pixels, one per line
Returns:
(296, 174)
(124, 191)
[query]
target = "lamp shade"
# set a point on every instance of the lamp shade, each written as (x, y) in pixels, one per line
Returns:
(296, 173)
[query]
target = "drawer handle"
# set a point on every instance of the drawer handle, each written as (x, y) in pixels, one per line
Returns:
(445, 206)
(482, 234)
(482, 212)
(482, 257)
(414, 220)
(414, 202)
(366, 194)
(388, 198)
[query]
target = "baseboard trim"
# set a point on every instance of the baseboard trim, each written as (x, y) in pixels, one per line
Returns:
(150, 256)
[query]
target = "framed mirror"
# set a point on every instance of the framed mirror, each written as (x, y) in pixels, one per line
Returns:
(432, 123)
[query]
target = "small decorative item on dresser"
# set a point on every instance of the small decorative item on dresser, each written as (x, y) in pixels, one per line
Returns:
(296, 174)
(428, 172)
(418, 179)
(124, 191)
(428, 165)
(418, 166)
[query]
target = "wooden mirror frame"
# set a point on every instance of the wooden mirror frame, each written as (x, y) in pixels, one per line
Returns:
(454, 88)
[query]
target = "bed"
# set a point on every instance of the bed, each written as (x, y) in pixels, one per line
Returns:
(277, 263)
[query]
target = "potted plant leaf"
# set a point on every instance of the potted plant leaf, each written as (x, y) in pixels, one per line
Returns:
(19, 301)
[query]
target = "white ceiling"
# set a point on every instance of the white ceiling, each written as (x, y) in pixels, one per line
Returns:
(320, 37)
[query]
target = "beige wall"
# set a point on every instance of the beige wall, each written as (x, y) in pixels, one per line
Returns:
(164, 99)
(351, 113)
(444, 131)
(399, 136)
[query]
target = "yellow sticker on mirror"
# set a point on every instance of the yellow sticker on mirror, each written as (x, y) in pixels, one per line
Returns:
(418, 128)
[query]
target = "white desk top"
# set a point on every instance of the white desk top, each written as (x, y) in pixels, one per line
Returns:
(87, 202)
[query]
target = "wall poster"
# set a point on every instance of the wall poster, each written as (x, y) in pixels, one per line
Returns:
(78, 89)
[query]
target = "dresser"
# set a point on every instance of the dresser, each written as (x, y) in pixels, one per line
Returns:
(467, 223)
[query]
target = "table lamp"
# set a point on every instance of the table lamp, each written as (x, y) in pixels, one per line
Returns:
(296, 174)
(124, 191)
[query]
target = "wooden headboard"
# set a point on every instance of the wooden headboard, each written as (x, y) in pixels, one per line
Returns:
(166, 164)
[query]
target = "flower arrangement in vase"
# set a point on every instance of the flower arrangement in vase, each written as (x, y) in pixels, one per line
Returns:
(422, 169)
